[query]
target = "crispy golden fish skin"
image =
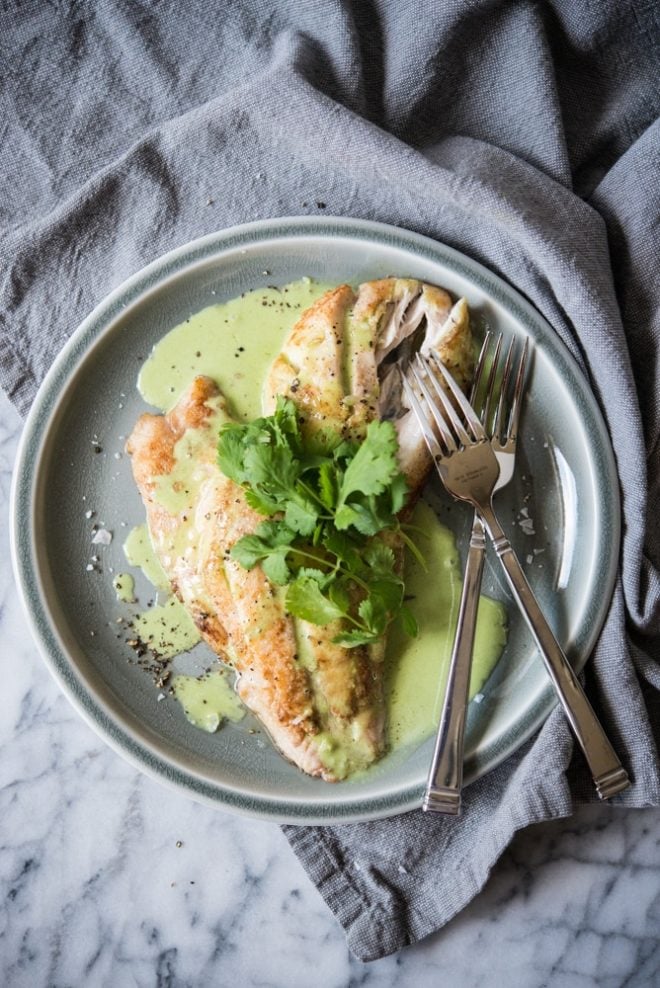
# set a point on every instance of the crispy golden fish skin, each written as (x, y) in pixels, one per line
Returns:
(322, 704)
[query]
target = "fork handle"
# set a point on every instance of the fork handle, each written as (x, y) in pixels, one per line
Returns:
(443, 788)
(608, 774)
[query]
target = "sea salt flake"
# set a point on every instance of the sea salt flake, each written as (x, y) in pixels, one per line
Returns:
(102, 537)
(402, 870)
(88, 514)
(529, 559)
(89, 567)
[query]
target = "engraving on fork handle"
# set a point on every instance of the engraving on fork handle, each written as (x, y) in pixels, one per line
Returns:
(608, 774)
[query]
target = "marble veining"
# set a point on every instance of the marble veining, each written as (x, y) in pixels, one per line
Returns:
(107, 878)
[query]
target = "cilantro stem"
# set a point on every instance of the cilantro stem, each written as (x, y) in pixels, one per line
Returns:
(415, 551)
(337, 567)
(312, 493)
(358, 624)
(414, 528)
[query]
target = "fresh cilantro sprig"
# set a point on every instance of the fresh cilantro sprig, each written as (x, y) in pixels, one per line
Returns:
(326, 500)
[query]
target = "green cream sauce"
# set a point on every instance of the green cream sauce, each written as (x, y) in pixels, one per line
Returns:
(234, 343)
(208, 700)
(167, 628)
(416, 668)
(124, 585)
(139, 552)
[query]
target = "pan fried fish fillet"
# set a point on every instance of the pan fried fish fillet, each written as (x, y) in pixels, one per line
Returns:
(321, 703)
(338, 361)
(238, 613)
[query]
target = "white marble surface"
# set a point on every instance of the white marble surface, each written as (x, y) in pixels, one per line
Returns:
(94, 889)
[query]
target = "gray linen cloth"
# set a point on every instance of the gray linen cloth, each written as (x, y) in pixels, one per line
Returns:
(524, 134)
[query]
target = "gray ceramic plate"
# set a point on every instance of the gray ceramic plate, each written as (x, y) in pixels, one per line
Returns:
(566, 479)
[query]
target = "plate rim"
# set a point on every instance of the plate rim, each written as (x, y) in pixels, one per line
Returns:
(96, 325)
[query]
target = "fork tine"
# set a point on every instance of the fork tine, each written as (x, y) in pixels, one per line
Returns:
(434, 447)
(481, 363)
(490, 386)
(512, 430)
(470, 417)
(441, 423)
(498, 426)
(448, 414)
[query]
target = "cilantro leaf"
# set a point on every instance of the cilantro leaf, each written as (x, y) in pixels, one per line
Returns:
(315, 574)
(379, 557)
(322, 442)
(373, 612)
(230, 452)
(261, 502)
(304, 599)
(270, 545)
(398, 493)
(374, 465)
(285, 420)
(328, 492)
(368, 514)
(341, 545)
(275, 533)
(275, 566)
(389, 592)
(272, 469)
(408, 621)
(301, 516)
(339, 595)
(351, 639)
(249, 551)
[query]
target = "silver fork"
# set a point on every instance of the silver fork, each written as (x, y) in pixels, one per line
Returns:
(445, 778)
(469, 469)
